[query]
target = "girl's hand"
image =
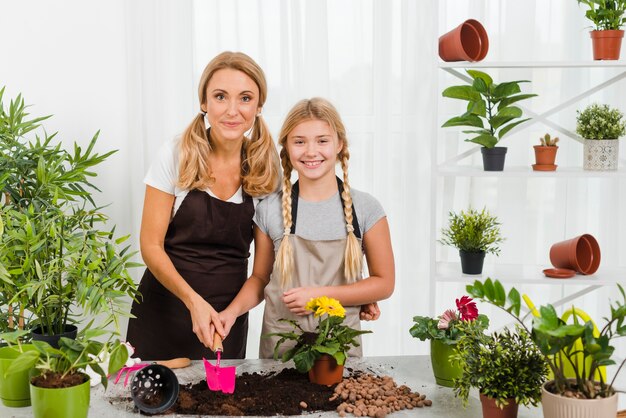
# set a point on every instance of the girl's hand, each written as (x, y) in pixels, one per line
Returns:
(370, 312)
(297, 298)
(205, 321)
(228, 319)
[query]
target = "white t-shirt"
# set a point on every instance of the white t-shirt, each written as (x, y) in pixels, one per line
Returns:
(163, 175)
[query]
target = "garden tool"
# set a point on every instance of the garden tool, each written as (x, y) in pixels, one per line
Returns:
(176, 363)
(219, 378)
(154, 389)
(568, 371)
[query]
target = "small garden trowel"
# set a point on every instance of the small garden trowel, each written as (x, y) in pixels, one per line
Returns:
(219, 378)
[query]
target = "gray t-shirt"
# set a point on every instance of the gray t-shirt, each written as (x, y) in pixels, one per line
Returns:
(317, 221)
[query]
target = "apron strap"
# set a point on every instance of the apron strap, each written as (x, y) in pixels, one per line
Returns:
(295, 192)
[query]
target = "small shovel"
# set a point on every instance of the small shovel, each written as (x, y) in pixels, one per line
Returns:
(219, 378)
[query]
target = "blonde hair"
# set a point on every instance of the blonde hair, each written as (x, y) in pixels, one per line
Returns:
(259, 162)
(315, 109)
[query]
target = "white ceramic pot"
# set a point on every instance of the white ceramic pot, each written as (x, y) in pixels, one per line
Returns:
(600, 154)
(557, 406)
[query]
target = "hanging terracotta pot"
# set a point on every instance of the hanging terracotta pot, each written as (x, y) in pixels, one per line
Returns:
(606, 44)
(581, 254)
(545, 156)
(491, 410)
(466, 42)
(326, 371)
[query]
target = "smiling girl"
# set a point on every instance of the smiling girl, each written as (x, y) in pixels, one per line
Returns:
(310, 238)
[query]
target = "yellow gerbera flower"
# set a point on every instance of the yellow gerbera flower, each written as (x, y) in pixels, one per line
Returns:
(325, 305)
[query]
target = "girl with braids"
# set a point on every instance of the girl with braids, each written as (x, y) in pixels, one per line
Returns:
(315, 232)
(197, 226)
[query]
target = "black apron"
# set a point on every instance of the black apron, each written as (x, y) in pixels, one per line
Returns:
(208, 242)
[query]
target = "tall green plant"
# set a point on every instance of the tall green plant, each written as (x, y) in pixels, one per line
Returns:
(488, 108)
(473, 231)
(605, 14)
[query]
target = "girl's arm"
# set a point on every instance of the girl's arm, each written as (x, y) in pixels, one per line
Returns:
(251, 294)
(379, 286)
(155, 219)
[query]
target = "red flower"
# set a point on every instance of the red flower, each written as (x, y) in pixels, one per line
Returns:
(467, 308)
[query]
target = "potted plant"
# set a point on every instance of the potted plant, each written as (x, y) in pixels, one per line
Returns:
(562, 343)
(444, 333)
(474, 234)
(545, 154)
(322, 353)
(59, 386)
(53, 254)
(490, 114)
(506, 368)
(600, 126)
(608, 18)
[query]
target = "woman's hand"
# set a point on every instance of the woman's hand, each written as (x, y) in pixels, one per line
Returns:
(227, 318)
(205, 321)
(370, 312)
(297, 298)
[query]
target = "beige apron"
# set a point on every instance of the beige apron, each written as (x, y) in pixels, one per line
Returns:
(316, 263)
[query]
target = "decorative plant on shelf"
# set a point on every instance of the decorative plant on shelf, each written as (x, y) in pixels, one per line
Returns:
(600, 126)
(548, 141)
(474, 234)
(330, 337)
(608, 19)
(545, 154)
(444, 332)
(506, 367)
(489, 113)
(562, 343)
(53, 254)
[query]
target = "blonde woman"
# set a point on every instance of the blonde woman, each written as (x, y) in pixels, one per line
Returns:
(197, 226)
(311, 237)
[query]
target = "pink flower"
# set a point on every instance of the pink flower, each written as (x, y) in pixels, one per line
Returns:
(467, 308)
(444, 320)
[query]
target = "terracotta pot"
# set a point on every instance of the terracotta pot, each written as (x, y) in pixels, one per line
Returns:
(606, 44)
(581, 254)
(466, 42)
(557, 406)
(326, 371)
(491, 410)
(545, 155)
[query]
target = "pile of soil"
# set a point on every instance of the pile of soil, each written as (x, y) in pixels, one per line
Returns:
(287, 392)
(53, 380)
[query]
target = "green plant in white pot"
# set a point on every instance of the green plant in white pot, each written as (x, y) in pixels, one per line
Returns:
(601, 126)
(490, 114)
(474, 234)
(608, 18)
(54, 254)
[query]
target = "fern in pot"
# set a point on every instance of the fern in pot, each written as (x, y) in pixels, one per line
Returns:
(474, 234)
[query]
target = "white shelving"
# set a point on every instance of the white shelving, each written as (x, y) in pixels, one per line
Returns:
(450, 170)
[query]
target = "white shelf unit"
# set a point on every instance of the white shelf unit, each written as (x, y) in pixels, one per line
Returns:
(450, 169)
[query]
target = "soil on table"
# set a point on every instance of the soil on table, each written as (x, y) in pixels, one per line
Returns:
(52, 380)
(287, 392)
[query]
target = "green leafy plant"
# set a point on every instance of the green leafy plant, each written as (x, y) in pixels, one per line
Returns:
(331, 337)
(502, 365)
(72, 357)
(447, 327)
(562, 343)
(473, 231)
(547, 141)
(600, 122)
(489, 108)
(605, 14)
(53, 254)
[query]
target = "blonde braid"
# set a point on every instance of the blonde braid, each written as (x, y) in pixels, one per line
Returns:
(284, 258)
(353, 258)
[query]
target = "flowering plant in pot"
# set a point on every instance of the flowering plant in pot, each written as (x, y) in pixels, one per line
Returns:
(600, 126)
(608, 19)
(474, 234)
(506, 367)
(489, 114)
(561, 344)
(545, 153)
(330, 341)
(444, 332)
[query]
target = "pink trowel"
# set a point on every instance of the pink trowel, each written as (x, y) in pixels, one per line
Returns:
(219, 378)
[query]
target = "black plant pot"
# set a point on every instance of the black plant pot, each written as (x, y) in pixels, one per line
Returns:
(38, 335)
(493, 158)
(472, 263)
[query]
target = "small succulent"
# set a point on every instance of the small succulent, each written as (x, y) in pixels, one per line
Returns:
(547, 141)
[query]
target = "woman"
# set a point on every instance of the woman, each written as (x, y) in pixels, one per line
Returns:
(196, 225)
